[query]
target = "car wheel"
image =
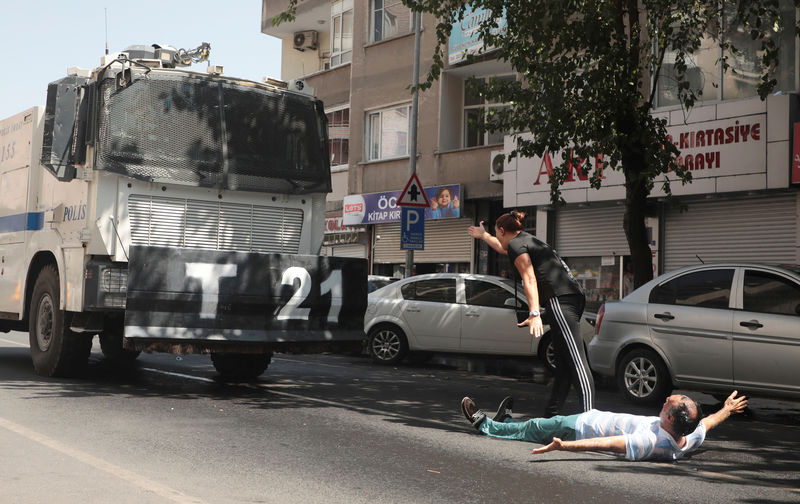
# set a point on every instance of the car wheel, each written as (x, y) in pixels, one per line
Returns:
(387, 345)
(643, 378)
(547, 352)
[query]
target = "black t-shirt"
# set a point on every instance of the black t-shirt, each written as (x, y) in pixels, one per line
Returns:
(553, 277)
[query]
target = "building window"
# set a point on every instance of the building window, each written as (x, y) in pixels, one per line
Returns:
(390, 18)
(740, 80)
(476, 108)
(341, 32)
(387, 133)
(339, 136)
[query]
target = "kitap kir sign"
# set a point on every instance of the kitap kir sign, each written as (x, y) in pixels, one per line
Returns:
(376, 208)
(716, 153)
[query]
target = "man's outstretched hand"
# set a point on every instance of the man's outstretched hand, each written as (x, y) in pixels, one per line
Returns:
(735, 404)
(555, 445)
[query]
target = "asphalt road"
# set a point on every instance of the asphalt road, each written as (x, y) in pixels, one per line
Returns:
(338, 429)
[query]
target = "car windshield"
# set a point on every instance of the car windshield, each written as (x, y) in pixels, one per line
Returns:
(168, 127)
(373, 285)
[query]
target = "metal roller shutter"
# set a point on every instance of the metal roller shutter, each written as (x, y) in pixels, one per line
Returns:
(356, 250)
(446, 241)
(590, 232)
(758, 230)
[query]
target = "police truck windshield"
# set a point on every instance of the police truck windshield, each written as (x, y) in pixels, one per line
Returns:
(168, 127)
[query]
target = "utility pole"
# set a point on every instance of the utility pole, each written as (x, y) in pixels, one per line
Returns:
(412, 147)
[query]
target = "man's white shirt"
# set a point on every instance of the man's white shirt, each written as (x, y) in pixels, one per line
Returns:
(644, 437)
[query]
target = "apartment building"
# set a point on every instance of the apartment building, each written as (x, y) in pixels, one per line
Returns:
(744, 154)
(357, 55)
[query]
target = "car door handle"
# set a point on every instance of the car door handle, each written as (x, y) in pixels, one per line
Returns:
(664, 316)
(752, 324)
(412, 309)
(472, 314)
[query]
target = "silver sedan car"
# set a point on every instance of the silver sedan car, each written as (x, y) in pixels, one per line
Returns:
(451, 313)
(711, 327)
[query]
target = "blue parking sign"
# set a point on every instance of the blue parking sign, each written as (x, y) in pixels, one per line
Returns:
(412, 222)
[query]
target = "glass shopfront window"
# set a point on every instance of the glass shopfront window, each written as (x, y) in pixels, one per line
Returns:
(602, 278)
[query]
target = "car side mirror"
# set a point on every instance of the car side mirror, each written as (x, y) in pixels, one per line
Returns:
(512, 303)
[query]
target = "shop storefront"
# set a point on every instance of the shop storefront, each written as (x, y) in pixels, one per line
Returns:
(344, 241)
(592, 242)
(448, 247)
(762, 229)
(742, 203)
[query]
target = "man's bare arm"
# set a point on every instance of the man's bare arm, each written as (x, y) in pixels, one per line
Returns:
(614, 444)
(732, 405)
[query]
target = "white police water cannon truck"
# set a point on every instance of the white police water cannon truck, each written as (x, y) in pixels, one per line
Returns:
(169, 210)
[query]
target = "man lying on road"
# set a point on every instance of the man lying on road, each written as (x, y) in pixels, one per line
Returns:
(677, 431)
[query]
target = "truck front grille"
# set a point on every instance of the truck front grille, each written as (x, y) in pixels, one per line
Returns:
(194, 224)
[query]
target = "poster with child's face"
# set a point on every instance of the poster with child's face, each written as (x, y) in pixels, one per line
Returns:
(445, 202)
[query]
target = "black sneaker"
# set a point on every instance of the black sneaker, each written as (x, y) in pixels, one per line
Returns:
(472, 413)
(504, 410)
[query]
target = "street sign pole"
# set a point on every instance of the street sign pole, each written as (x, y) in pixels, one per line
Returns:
(412, 168)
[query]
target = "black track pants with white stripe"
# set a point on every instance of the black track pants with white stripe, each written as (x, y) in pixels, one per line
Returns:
(563, 314)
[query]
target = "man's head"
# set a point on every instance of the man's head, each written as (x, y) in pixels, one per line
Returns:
(681, 414)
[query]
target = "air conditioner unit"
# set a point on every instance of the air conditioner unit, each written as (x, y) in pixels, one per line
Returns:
(305, 40)
(497, 162)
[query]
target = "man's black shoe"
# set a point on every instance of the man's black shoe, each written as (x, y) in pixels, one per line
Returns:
(472, 413)
(504, 410)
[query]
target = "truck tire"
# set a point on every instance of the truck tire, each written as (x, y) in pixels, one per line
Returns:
(55, 350)
(111, 346)
(239, 367)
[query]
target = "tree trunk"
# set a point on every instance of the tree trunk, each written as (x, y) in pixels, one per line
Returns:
(636, 193)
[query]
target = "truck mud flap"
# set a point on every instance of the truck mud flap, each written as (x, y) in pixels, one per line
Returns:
(200, 295)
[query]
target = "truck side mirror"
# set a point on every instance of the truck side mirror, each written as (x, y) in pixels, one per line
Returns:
(64, 126)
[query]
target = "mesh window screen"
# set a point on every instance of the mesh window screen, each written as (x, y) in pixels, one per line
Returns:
(168, 127)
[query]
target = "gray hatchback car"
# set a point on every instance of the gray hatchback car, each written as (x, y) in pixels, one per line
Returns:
(711, 327)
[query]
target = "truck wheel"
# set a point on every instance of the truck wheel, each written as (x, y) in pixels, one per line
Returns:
(643, 378)
(238, 367)
(55, 350)
(111, 346)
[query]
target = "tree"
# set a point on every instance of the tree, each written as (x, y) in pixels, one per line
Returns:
(590, 69)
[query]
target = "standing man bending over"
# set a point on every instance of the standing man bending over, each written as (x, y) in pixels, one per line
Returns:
(677, 431)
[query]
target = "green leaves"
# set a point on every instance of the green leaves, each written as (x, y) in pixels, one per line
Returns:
(591, 69)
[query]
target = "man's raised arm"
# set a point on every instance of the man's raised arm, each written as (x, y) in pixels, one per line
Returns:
(732, 405)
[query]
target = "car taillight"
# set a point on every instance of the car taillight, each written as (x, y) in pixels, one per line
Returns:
(600, 313)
